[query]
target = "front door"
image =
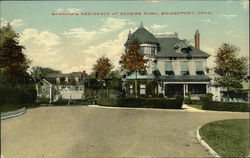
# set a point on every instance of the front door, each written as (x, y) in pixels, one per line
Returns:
(172, 90)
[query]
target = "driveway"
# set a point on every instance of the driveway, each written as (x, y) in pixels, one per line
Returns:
(81, 131)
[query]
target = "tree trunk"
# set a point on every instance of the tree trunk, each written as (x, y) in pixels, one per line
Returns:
(136, 84)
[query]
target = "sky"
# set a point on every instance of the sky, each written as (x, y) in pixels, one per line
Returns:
(73, 43)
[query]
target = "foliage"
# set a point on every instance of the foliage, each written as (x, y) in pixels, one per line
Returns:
(38, 73)
(206, 98)
(13, 62)
(231, 70)
(173, 103)
(225, 106)
(102, 68)
(20, 94)
(188, 100)
(133, 60)
(229, 138)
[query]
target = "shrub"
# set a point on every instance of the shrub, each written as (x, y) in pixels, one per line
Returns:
(107, 101)
(225, 106)
(207, 98)
(173, 103)
(19, 94)
(187, 100)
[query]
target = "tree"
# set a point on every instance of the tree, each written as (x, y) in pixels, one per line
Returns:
(13, 62)
(102, 68)
(231, 70)
(133, 60)
(38, 73)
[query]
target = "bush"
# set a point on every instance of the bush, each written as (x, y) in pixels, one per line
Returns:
(187, 100)
(174, 103)
(225, 106)
(19, 94)
(107, 101)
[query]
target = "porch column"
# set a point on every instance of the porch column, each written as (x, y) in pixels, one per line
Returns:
(184, 90)
(207, 88)
(163, 88)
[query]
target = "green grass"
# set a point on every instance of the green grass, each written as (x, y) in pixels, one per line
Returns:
(229, 138)
(13, 107)
(196, 106)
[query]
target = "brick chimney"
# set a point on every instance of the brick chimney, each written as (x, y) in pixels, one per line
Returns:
(197, 39)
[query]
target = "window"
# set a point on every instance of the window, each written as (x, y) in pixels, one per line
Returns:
(197, 88)
(57, 80)
(131, 89)
(184, 68)
(43, 88)
(169, 72)
(77, 79)
(199, 68)
(142, 89)
(200, 73)
(153, 50)
(66, 80)
(169, 68)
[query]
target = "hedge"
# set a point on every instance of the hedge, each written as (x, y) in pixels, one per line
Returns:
(166, 103)
(20, 94)
(226, 106)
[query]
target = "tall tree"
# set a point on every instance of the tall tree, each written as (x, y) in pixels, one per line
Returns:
(38, 73)
(133, 60)
(102, 68)
(231, 70)
(13, 62)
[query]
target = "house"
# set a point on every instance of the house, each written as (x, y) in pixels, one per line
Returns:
(175, 67)
(62, 86)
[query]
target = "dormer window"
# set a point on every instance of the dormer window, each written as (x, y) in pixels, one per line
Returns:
(182, 46)
(58, 80)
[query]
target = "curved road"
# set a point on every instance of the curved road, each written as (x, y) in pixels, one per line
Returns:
(80, 131)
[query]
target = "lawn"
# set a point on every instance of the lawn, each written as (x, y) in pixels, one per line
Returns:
(13, 107)
(229, 138)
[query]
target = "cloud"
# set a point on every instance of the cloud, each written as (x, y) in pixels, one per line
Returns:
(229, 16)
(13, 23)
(74, 10)
(59, 10)
(231, 34)
(43, 38)
(113, 24)
(158, 26)
(245, 4)
(80, 33)
(109, 25)
(208, 21)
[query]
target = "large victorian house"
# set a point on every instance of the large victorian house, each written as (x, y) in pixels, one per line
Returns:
(175, 67)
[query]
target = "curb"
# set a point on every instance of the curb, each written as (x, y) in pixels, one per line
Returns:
(205, 145)
(13, 113)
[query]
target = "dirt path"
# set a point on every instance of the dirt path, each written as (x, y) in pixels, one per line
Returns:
(63, 132)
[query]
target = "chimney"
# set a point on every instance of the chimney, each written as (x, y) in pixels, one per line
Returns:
(129, 33)
(197, 39)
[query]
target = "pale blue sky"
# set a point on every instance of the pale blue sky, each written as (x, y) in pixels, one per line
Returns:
(73, 43)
